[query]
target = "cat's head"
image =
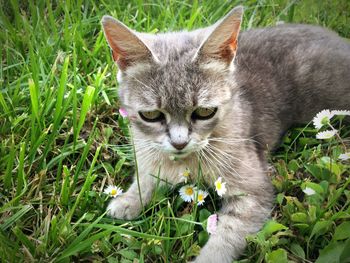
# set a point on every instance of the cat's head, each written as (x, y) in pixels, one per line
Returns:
(176, 87)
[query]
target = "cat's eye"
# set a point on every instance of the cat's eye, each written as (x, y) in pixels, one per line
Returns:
(151, 116)
(203, 113)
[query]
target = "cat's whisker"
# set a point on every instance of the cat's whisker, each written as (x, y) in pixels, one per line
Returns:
(228, 156)
(221, 160)
(233, 139)
(209, 164)
(148, 155)
(222, 163)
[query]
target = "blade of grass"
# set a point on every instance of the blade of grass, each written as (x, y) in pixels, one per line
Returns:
(9, 167)
(34, 98)
(14, 218)
(60, 92)
(74, 246)
(87, 99)
(65, 186)
(86, 186)
(24, 239)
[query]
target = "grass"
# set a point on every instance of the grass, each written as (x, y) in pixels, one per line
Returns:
(60, 135)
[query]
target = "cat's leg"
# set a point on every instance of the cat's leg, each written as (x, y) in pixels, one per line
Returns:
(129, 205)
(239, 217)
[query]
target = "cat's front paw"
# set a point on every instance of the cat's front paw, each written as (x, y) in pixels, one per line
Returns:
(124, 207)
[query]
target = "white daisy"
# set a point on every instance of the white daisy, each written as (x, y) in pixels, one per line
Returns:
(309, 191)
(220, 187)
(187, 192)
(344, 156)
(326, 134)
(113, 191)
(341, 112)
(322, 118)
(201, 195)
(186, 175)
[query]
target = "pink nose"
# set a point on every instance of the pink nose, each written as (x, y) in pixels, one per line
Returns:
(179, 146)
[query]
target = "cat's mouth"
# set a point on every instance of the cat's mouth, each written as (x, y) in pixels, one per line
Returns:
(179, 155)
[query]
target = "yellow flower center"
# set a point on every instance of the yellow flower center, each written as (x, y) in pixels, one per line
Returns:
(113, 192)
(200, 197)
(218, 185)
(186, 173)
(189, 191)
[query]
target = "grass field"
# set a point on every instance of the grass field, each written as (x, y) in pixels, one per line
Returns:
(61, 137)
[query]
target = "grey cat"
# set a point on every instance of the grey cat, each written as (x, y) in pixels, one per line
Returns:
(223, 99)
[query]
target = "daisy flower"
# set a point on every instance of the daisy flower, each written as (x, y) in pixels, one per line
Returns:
(341, 112)
(212, 223)
(344, 156)
(322, 118)
(187, 192)
(326, 134)
(113, 191)
(201, 195)
(123, 112)
(186, 174)
(220, 187)
(309, 191)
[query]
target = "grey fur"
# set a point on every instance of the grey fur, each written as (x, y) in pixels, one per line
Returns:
(280, 76)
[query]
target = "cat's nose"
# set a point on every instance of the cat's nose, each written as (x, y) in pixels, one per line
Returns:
(179, 146)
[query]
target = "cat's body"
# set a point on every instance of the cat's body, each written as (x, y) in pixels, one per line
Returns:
(279, 76)
(298, 70)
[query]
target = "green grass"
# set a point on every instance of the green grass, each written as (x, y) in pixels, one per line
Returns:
(60, 136)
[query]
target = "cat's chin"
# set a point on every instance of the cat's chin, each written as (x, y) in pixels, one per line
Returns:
(178, 155)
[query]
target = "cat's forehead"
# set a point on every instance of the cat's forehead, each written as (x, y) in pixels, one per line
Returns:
(172, 87)
(177, 83)
(176, 47)
(176, 89)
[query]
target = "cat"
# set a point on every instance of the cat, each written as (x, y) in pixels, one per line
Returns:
(222, 98)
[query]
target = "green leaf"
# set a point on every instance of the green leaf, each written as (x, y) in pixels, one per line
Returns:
(342, 231)
(299, 217)
(320, 228)
(345, 255)
(272, 227)
(277, 256)
(185, 227)
(203, 237)
(331, 165)
(331, 253)
(317, 171)
(297, 250)
(203, 215)
(280, 198)
(128, 254)
(293, 165)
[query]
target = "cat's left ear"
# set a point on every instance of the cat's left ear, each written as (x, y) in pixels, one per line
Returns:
(221, 43)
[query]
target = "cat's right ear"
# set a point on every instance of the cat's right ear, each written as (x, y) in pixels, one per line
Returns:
(127, 47)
